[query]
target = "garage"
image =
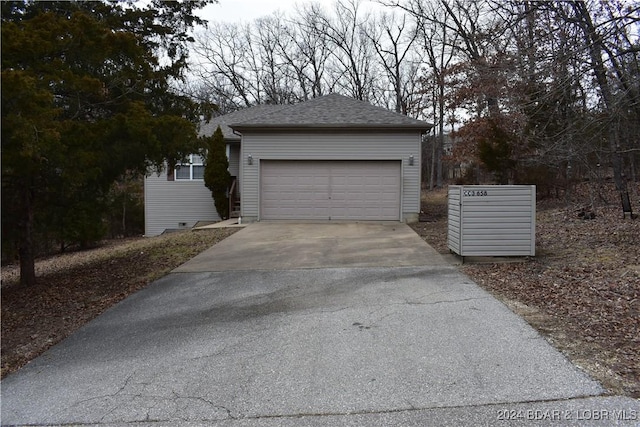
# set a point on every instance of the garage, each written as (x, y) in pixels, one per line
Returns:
(330, 190)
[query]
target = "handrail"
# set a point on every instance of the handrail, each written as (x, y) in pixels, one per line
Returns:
(233, 186)
(232, 196)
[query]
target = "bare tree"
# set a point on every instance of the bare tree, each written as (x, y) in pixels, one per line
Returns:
(438, 42)
(609, 56)
(223, 64)
(310, 55)
(465, 56)
(352, 69)
(277, 75)
(393, 41)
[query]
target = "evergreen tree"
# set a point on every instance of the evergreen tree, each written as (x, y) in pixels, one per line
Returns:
(216, 173)
(86, 97)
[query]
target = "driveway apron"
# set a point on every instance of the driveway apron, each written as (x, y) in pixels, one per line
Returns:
(309, 324)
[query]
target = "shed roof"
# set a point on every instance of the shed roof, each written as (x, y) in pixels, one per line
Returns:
(330, 111)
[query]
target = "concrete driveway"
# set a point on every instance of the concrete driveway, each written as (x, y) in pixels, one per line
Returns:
(287, 246)
(310, 324)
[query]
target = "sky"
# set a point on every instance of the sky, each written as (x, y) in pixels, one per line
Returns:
(249, 10)
(246, 10)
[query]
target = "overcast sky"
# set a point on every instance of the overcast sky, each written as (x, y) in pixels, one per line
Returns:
(248, 10)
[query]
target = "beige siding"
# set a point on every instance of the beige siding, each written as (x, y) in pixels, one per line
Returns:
(493, 220)
(453, 223)
(328, 145)
(170, 203)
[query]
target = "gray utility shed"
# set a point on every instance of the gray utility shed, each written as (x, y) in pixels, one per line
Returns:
(492, 220)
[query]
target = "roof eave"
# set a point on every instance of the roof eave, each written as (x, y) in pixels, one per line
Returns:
(272, 127)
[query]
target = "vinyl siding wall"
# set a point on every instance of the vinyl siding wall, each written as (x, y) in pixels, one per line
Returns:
(492, 220)
(234, 159)
(453, 223)
(169, 203)
(330, 145)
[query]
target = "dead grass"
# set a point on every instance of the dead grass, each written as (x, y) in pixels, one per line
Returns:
(75, 288)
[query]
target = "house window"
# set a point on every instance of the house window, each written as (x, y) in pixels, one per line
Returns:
(192, 169)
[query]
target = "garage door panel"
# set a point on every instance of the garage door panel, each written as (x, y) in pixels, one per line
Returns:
(322, 190)
(389, 181)
(387, 196)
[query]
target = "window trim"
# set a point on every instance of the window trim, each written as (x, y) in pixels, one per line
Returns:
(190, 164)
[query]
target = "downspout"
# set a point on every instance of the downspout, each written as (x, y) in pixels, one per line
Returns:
(241, 169)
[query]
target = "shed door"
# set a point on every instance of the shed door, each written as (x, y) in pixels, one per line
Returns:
(330, 190)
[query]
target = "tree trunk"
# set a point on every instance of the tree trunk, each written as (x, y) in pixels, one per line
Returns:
(434, 105)
(594, 41)
(27, 257)
(124, 215)
(441, 105)
(434, 152)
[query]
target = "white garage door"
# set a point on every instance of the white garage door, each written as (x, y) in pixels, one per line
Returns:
(330, 190)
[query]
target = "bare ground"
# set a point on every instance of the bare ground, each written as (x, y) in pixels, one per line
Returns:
(581, 291)
(74, 288)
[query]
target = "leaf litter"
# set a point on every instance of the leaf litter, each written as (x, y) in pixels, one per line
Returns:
(74, 288)
(581, 290)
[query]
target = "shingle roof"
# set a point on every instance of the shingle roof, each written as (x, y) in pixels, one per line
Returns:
(223, 121)
(329, 111)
